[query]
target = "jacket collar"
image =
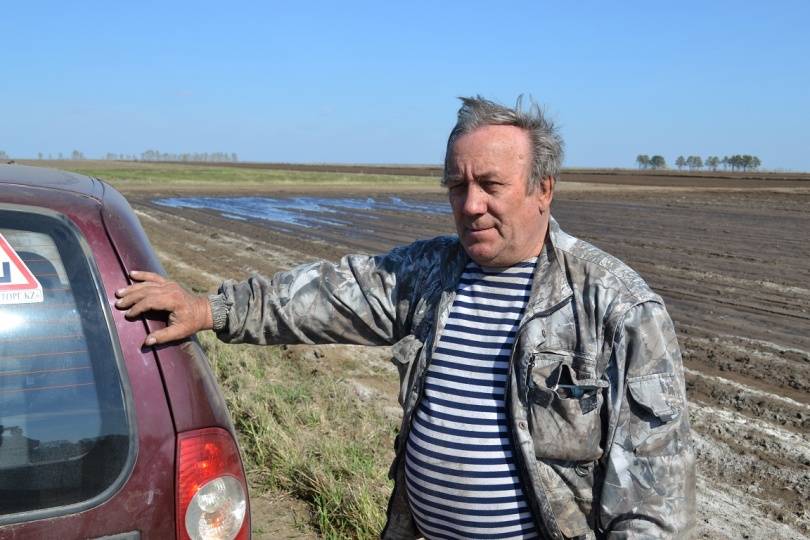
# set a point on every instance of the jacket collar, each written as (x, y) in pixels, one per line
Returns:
(550, 285)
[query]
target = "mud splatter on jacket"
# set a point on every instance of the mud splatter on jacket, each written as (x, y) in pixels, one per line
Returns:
(595, 393)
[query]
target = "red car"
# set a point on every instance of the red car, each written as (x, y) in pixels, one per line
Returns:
(99, 437)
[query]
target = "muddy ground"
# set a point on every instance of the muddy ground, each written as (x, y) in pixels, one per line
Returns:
(732, 263)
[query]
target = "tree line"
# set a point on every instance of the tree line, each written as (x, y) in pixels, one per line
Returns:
(736, 162)
(148, 155)
(215, 157)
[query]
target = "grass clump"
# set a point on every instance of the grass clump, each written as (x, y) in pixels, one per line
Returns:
(306, 432)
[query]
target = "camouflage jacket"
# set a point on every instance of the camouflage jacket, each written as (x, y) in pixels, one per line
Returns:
(595, 390)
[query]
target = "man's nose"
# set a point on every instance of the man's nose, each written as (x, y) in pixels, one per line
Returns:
(475, 202)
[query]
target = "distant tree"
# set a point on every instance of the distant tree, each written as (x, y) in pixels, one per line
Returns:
(234, 157)
(680, 162)
(694, 162)
(60, 156)
(76, 155)
(746, 162)
(39, 155)
(3, 155)
(742, 162)
(712, 162)
(643, 161)
(658, 162)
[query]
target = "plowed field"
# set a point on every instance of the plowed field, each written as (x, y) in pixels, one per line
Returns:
(732, 263)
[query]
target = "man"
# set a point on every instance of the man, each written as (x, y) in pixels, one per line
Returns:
(541, 381)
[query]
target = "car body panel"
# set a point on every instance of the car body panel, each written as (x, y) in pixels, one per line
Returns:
(195, 400)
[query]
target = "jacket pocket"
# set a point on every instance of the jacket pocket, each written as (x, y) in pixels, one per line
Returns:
(656, 428)
(570, 491)
(564, 409)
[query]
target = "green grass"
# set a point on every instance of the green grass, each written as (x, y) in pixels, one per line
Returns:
(122, 174)
(307, 433)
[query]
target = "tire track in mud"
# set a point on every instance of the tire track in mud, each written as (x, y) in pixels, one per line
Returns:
(733, 268)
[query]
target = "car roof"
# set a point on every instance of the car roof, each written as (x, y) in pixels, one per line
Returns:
(40, 177)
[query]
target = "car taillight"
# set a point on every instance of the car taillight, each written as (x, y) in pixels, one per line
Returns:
(212, 500)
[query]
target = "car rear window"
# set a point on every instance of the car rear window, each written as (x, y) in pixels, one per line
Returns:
(64, 429)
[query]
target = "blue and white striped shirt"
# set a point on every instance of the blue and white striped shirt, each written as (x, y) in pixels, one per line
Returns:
(459, 469)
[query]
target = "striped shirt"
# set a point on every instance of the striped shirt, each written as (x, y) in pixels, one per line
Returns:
(459, 465)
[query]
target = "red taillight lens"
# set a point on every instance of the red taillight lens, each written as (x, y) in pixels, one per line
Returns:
(212, 495)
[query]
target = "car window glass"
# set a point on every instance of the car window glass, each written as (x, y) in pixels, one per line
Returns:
(64, 434)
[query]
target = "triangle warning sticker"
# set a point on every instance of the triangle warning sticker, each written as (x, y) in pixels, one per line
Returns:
(17, 284)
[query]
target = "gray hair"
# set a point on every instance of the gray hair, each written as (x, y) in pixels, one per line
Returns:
(547, 145)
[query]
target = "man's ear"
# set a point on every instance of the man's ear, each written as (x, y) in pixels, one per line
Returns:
(545, 193)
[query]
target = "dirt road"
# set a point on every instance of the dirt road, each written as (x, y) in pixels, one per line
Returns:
(733, 265)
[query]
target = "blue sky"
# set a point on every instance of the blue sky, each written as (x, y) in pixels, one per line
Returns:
(376, 82)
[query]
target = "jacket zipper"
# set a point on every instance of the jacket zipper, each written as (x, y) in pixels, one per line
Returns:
(545, 529)
(529, 369)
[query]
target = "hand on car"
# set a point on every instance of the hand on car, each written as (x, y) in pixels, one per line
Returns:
(188, 313)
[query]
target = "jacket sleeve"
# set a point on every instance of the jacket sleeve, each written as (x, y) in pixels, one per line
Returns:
(649, 486)
(360, 300)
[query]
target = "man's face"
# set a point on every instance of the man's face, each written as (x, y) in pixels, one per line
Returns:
(498, 222)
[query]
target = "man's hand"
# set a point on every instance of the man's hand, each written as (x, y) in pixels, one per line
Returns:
(188, 313)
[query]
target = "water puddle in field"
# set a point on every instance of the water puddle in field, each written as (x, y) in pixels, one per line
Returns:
(306, 211)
